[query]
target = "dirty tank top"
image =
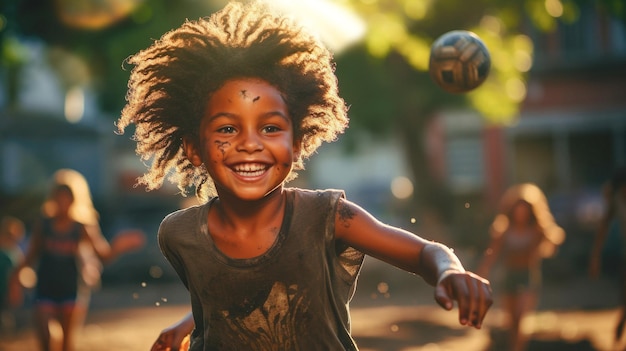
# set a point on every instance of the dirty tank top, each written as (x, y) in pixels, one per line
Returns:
(294, 297)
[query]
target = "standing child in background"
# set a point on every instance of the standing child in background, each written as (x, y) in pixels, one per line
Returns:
(12, 232)
(61, 248)
(522, 234)
(233, 104)
(615, 209)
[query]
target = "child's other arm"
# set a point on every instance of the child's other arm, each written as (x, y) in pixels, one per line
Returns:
(175, 337)
(436, 263)
(123, 242)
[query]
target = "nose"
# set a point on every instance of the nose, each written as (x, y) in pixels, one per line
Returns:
(250, 141)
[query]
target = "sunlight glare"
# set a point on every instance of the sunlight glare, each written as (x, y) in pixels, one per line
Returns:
(94, 15)
(382, 288)
(74, 105)
(416, 10)
(337, 26)
(27, 277)
(522, 61)
(156, 272)
(523, 51)
(401, 187)
(55, 329)
(491, 24)
(554, 8)
(431, 347)
(515, 89)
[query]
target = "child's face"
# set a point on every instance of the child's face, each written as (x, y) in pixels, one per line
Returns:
(245, 139)
(63, 199)
(521, 213)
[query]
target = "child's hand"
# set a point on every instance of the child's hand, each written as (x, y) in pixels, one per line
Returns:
(171, 339)
(128, 240)
(472, 293)
(176, 336)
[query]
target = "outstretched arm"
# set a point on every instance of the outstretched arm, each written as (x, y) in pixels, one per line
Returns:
(123, 242)
(491, 254)
(436, 263)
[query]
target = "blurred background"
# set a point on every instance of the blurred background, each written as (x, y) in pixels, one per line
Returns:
(552, 112)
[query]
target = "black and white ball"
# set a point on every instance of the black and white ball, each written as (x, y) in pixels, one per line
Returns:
(459, 61)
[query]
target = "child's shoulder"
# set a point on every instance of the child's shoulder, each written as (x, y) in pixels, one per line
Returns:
(185, 214)
(314, 193)
(314, 198)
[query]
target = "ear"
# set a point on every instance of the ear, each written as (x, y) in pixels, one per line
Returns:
(191, 151)
(297, 149)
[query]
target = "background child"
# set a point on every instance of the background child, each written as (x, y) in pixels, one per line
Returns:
(615, 210)
(232, 105)
(61, 251)
(12, 232)
(522, 234)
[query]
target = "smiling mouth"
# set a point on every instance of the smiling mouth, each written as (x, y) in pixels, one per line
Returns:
(250, 169)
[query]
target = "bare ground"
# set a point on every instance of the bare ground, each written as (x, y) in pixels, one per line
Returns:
(392, 311)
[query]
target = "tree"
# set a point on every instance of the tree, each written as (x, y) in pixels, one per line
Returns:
(386, 76)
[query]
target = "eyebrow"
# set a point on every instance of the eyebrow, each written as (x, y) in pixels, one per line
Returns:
(234, 116)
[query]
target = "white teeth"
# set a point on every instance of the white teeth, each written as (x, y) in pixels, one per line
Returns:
(250, 169)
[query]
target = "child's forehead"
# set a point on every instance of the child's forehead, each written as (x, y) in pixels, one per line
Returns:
(247, 83)
(62, 190)
(251, 90)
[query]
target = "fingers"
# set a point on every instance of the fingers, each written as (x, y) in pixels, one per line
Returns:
(472, 293)
(442, 296)
(129, 240)
(467, 301)
(485, 300)
(164, 343)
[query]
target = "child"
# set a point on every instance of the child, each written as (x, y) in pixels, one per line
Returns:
(11, 234)
(233, 104)
(615, 210)
(523, 233)
(60, 246)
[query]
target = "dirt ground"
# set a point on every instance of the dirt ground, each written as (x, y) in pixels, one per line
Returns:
(391, 311)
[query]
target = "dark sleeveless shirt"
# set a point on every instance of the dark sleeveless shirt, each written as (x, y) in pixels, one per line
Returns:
(293, 297)
(57, 271)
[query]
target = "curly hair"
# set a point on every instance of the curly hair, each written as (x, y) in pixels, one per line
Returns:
(173, 79)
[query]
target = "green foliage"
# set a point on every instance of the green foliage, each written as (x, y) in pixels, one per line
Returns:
(13, 53)
(396, 28)
(408, 27)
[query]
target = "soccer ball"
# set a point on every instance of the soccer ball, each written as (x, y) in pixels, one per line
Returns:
(459, 61)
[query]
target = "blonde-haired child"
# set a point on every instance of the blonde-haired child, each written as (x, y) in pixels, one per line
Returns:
(62, 252)
(523, 233)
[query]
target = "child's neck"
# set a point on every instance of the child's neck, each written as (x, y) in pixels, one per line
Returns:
(62, 221)
(520, 226)
(246, 229)
(245, 210)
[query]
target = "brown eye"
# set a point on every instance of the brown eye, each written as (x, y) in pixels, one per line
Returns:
(227, 130)
(271, 129)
